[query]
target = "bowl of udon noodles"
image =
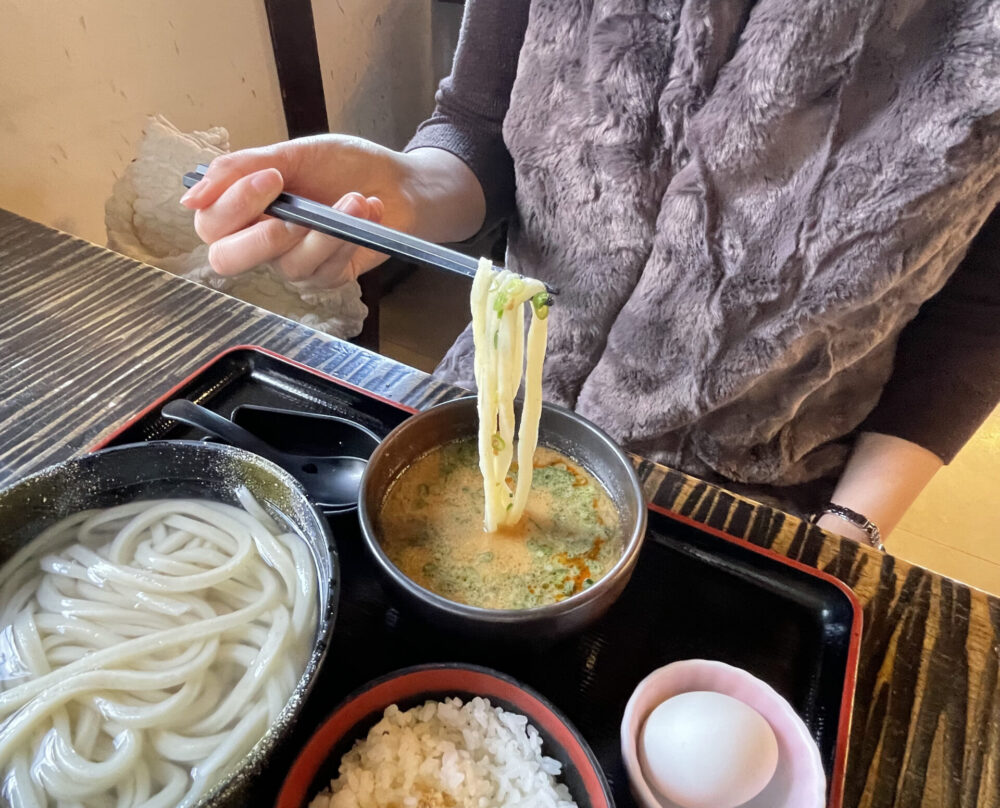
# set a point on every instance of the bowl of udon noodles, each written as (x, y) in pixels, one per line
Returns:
(164, 610)
(555, 570)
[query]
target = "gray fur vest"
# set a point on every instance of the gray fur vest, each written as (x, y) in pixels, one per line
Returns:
(743, 204)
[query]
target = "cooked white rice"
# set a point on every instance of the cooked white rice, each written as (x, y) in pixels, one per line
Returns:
(445, 754)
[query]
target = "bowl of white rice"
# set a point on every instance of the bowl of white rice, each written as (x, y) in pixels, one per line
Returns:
(443, 736)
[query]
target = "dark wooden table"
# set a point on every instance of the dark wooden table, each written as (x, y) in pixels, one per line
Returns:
(88, 337)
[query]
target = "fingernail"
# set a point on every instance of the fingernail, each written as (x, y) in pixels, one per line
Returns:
(192, 193)
(265, 182)
(376, 210)
(350, 205)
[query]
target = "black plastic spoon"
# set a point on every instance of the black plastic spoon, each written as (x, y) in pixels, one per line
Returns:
(333, 482)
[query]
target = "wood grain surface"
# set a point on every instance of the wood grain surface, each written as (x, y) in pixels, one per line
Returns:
(88, 338)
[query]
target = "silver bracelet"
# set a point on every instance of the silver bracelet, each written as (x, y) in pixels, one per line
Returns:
(861, 522)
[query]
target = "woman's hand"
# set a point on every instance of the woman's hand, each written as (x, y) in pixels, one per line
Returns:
(414, 192)
(882, 478)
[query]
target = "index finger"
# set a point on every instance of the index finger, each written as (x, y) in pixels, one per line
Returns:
(240, 205)
(226, 169)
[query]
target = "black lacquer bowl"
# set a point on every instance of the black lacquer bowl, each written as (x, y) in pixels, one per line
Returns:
(178, 469)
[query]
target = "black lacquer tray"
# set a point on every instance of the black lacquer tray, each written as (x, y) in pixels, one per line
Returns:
(696, 593)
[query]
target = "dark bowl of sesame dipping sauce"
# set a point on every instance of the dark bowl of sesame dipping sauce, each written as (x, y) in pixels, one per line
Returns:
(574, 596)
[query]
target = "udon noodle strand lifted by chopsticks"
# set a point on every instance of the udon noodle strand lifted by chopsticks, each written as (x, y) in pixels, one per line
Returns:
(146, 648)
(498, 332)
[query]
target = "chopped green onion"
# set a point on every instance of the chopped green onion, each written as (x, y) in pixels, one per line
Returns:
(510, 289)
(540, 303)
(500, 303)
(496, 338)
(499, 444)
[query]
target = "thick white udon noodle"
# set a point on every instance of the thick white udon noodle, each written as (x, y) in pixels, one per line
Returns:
(500, 357)
(145, 648)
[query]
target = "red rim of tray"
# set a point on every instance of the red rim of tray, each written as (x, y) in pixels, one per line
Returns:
(838, 774)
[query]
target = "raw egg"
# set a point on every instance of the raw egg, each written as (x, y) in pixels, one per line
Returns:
(708, 750)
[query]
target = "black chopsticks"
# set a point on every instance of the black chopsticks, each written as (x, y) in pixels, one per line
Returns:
(325, 219)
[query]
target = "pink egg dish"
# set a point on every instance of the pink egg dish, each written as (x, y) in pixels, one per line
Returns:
(799, 780)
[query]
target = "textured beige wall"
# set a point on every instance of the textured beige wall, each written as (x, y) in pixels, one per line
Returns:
(78, 79)
(377, 65)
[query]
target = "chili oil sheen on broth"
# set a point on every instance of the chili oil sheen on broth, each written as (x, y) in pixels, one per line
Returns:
(431, 527)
